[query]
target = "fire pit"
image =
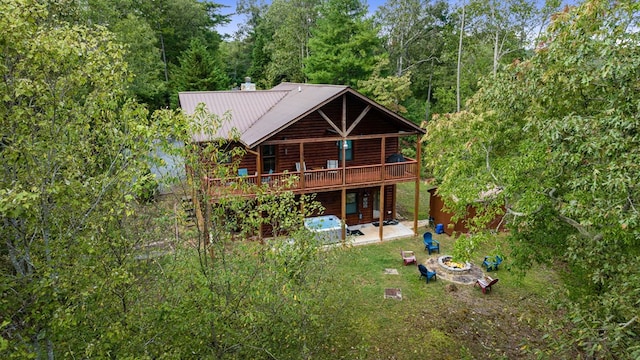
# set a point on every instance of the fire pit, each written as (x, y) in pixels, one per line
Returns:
(445, 262)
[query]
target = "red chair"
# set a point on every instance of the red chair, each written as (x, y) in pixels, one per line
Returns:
(485, 284)
(408, 257)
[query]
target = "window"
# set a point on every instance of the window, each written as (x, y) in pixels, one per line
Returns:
(352, 203)
(269, 159)
(348, 150)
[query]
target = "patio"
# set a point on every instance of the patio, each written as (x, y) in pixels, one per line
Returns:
(371, 233)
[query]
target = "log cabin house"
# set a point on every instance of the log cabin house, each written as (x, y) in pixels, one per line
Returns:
(343, 146)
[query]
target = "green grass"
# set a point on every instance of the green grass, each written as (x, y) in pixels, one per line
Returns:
(431, 320)
(405, 200)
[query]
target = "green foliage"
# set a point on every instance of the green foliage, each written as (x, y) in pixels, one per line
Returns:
(389, 91)
(290, 24)
(142, 57)
(72, 146)
(554, 141)
(156, 34)
(344, 46)
(198, 71)
(146, 188)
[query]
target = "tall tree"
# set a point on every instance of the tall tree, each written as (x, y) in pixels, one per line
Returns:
(344, 46)
(412, 31)
(553, 143)
(249, 43)
(199, 70)
(173, 24)
(143, 57)
(291, 21)
(71, 147)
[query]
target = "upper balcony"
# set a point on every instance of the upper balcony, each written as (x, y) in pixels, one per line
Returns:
(321, 179)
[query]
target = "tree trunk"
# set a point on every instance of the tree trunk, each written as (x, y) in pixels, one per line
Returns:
(459, 61)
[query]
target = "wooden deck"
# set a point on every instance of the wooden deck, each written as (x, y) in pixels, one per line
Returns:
(319, 180)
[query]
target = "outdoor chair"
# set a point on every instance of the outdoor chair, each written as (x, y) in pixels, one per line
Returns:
(430, 244)
(243, 172)
(485, 284)
(426, 273)
(408, 257)
(304, 166)
(332, 164)
(492, 262)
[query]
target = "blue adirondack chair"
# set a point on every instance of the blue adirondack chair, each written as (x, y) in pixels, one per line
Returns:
(430, 244)
(426, 273)
(491, 262)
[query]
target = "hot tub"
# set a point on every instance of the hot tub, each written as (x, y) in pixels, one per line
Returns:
(328, 228)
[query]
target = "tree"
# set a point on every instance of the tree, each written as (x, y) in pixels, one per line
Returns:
(291, 21)
(249, 56)
(157, 33)
(413, 34)
(71, 147)
(198, 71)
(553, 143)
(411, 29)
(344, 46)
(389, 91)
(143, 57)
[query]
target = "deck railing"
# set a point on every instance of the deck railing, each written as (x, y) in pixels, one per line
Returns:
(322, 179)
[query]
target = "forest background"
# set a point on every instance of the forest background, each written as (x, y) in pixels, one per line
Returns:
(409, 55)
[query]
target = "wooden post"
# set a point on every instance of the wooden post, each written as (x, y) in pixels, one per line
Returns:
(383, 144)
(381, 219)
(343, 212)
(416, 206)
(302, 165)
(259, 183)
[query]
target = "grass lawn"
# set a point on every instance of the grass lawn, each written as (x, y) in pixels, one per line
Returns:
(436, 319)
(405, 200)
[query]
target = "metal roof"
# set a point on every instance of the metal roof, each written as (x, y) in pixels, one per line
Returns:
(257, 115)
(244, 108)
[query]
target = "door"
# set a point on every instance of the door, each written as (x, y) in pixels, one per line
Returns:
(375, 203)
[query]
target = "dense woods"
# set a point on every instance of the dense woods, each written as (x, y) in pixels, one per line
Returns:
(174, 45)
(534, 102)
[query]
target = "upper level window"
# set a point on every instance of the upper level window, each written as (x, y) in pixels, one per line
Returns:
(348, 149)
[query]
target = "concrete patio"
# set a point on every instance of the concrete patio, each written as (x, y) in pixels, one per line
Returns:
(371, 233)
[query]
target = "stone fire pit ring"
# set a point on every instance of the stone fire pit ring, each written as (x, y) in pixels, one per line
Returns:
(466, 275)
(445, 264)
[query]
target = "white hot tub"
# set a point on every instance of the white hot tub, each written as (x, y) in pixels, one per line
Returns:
(328, 228)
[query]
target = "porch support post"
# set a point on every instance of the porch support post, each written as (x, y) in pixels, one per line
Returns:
(343, 150)
(259, 165)
(381, 219)
(343, 163)
(416, 205)
(343, 212)
(302, 165)
(383, 143)
(259, 183)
